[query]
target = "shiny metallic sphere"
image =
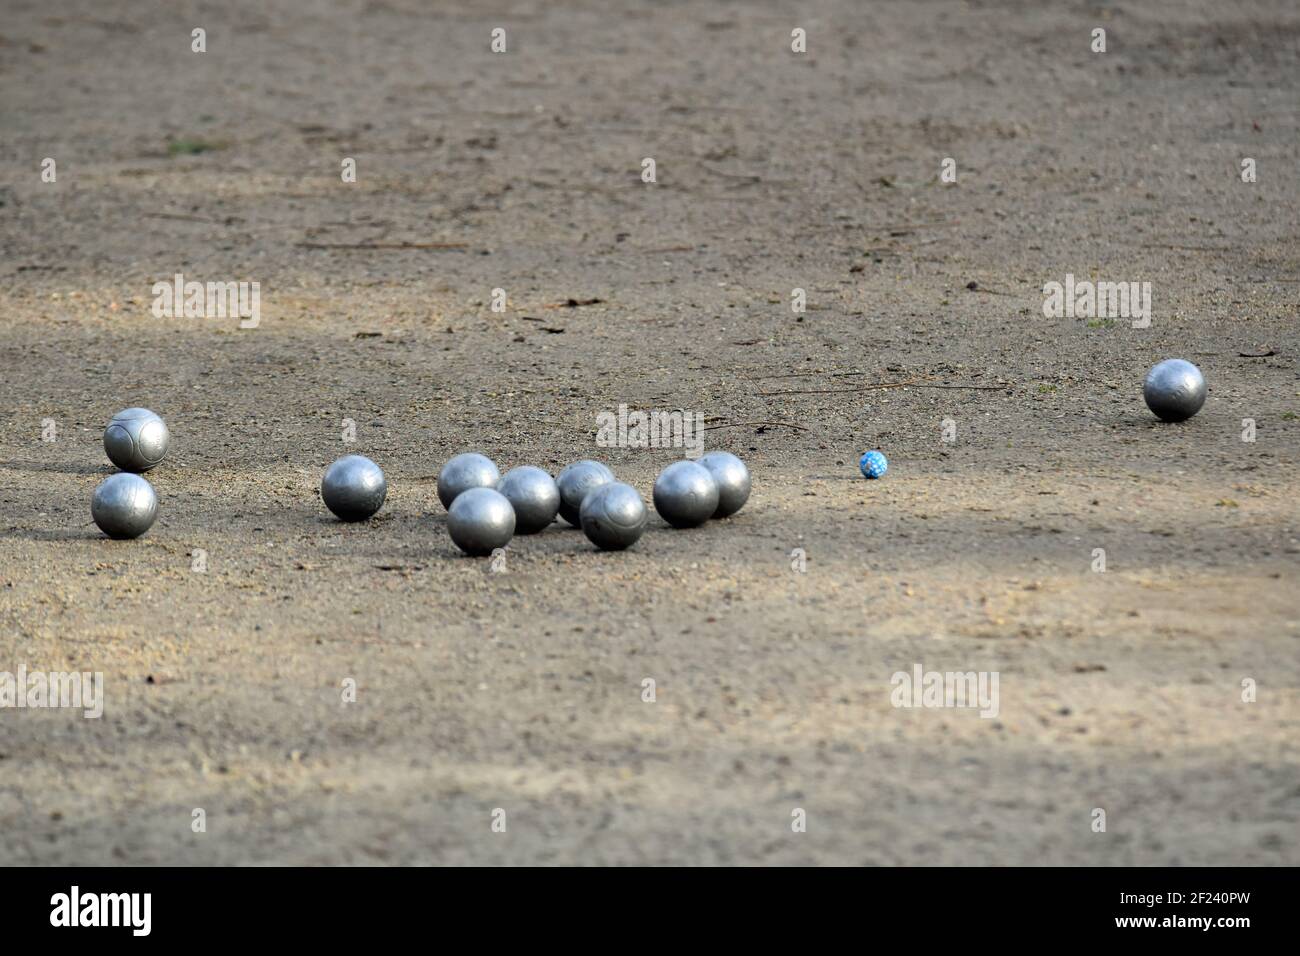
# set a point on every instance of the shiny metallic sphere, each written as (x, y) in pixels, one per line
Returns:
(124, 505)
(470, 470)
(136, 439)
(1174, 390)
(534, 495)
(613, 516)
(685, 494)
(481, 520)
(576, 482)
(733, 481)
(353, 488)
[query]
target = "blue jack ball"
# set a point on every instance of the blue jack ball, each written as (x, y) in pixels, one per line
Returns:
(873, 464)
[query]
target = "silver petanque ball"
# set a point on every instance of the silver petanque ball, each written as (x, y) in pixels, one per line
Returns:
(124, 505)
(470, 470)
(534, 495)
(576, 482)
(733, 481)
(613, 516)
(1174, 390)
(481, 520)
(685, 494)
(136, 439)
(353, 488)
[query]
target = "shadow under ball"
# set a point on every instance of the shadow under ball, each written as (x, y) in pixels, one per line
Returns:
(613, 516)
(136, 439)
(534, 495)
(733, 481)
(481, 520)
(353, 488)
(685, 494)
(469, 470)
(124, 505)
(575, 483)
(1174, 390)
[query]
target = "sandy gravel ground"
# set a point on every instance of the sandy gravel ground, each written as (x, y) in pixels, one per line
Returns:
(521, 691)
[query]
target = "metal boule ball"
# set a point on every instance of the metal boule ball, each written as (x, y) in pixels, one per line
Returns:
(1174, 389)
(136, 439)
(576, 482)
(124, 505)
(733, 481)
(470, 470)
(353, 488)
(613, 516)
(534, 495)
(481, 520)
(685, 494)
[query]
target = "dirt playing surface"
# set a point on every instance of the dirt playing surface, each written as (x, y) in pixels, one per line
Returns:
(523, 690)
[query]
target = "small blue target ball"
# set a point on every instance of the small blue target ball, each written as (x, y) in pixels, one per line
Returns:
(873, 465)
